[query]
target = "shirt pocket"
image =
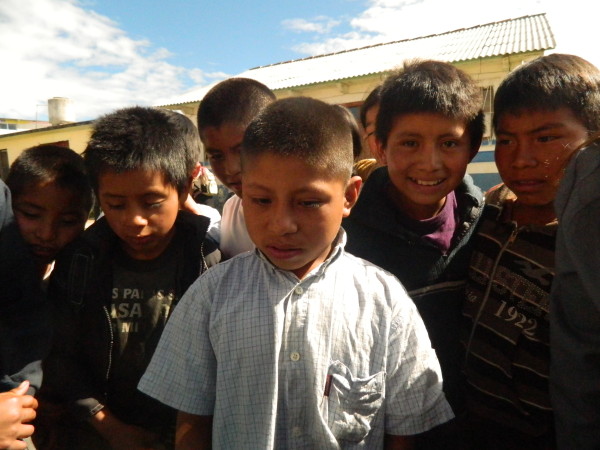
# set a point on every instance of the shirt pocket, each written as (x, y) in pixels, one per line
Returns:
(352, 403)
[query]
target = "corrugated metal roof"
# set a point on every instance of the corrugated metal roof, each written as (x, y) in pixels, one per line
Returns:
(523, 34)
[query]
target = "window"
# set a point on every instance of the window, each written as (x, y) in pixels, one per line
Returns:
(4, 164)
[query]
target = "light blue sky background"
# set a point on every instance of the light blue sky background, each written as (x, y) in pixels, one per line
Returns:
(105, 54)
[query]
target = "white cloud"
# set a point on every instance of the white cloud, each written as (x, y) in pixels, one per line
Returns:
(52, 48)
(572, 22)
(320, 24)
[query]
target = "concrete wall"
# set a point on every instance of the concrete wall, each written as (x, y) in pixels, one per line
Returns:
(77, 136)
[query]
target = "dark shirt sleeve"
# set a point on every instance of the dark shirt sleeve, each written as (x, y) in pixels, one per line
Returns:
(575, 320)
(68, 380)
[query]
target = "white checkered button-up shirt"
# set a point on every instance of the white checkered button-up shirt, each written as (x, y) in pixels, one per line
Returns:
(335, 360)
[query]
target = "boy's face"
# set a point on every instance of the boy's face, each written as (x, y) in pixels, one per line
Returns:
(141, 209)
(293, 212)
(427, 156)
(222, 145)
(370, 118)
(532, 150)
(49, 217)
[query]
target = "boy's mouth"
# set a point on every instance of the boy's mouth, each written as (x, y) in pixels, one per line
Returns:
(44, 252)
(427, 182)
(282, 252)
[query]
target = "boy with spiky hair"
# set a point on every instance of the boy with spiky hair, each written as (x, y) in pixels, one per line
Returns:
(543, 111)
(297, 344)
(415, 216)
(223, 115)
(115, 288)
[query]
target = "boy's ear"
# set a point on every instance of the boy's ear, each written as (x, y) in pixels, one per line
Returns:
(183, 195)
(351, 195)
(380, 150)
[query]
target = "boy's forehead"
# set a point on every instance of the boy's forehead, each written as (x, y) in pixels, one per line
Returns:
(136, 179)
(537, 118)
(421, 122)
(270, 162)
(223, 137)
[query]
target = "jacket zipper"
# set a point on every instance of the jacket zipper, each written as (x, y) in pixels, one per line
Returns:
(509, 241)
(112, 340)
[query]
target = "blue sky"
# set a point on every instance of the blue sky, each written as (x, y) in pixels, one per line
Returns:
(228, 36)
(105, 54)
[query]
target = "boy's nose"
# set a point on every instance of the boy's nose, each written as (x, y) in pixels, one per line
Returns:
(135, 217)
(46, 232)
(430, 156)
(282, 222)
(233, 164)
(524, 155)
(139, 220)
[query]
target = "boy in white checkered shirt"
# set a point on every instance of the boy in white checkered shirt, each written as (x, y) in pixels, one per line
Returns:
(298, 344)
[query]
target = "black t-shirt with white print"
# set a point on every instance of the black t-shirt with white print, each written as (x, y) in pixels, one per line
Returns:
(143, 295)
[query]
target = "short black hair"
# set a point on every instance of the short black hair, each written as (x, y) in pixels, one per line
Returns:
(144, 138)
(372, 100)
(50, 163)
(235, 100)
(551, 82)
(354, 130)
(427, 86)
(304, 128)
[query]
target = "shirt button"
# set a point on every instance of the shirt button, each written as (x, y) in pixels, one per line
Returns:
(294, 356)
(296, 432)
(298, 290)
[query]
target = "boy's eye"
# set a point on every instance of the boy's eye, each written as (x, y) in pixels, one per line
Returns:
(503, 141)
(409, 143)
(154, 205)
(450, 144)
(311, 203)
(546, 138)
(261, 201)
(29, 215)
(215, 156)
(115, 206)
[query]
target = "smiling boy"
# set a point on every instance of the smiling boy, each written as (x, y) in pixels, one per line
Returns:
(115, 288)
(543, 111)
(415, 216)
(297, 344)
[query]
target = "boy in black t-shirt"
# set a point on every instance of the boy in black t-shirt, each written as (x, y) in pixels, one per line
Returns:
(115, 288)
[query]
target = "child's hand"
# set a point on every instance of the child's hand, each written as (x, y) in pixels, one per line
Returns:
(16, 410)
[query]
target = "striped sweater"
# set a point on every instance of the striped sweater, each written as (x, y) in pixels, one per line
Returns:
(505, 315)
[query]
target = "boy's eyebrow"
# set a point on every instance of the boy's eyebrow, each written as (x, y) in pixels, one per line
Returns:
(144, 194)
(544, 127)
(217, 150)
(302, 190)
(28, 204)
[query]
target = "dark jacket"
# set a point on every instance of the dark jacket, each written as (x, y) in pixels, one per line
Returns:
(575, 305)
(434, 281)
(25, 325)
(79, 366)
